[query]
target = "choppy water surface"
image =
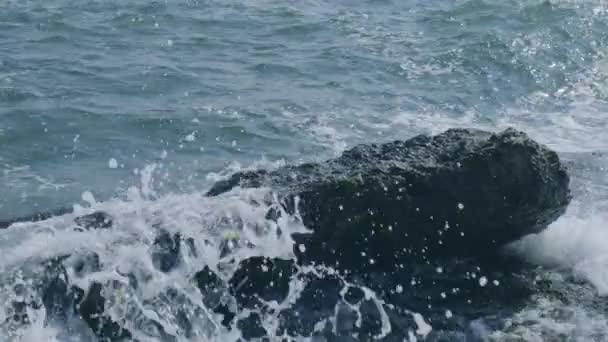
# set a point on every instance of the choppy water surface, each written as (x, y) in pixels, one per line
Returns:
(136, 107)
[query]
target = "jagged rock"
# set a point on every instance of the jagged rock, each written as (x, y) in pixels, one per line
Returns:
(92, 310)
(214, 291)
(96, 220)
(262, 278)
(463, 192)
(166, 251)
(402, 206)
(251, 327)
(453, 284)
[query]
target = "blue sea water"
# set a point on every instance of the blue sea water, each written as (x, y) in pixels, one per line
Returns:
(101, 99)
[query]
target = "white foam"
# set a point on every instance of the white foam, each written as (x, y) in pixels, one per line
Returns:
(423, 327)
(575, 242)
(125, 249)
(112, 163)
(547, 320)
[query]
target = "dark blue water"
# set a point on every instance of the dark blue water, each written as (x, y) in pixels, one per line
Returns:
(97, 95)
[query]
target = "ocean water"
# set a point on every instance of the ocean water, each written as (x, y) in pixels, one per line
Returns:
(137, 107)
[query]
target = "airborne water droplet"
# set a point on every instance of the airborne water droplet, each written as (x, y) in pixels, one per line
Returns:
(190, 137)
(88, 197)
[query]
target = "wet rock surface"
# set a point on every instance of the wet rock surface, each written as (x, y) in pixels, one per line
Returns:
(463, 192)
(450, 292)
(397, 228)
(96, 220)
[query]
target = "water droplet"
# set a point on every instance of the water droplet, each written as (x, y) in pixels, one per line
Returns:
(190, 137)
(88, 197)
(399, 289)
(112, 163)
(483, 281)
(460, 206)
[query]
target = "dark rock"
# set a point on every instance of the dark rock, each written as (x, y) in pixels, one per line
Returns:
(208, 283)
(346, 320)
(261, 277)
(214, 291)
(63, 300)
(317, 301)
(428, 288)
(92, 311)
(166, 251)
(56, 296)
(463, 192)
(87, 263)
(371, 319)
(251, 326)
(96, 220)
(5, 223)
(353, 295)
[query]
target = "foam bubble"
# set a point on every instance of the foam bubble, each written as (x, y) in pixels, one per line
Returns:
(423, 327)
(576, 242)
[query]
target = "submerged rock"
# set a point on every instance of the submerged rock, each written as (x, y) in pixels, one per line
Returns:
(96, 220)
(166, 251)
(463, 192)
(450, 293)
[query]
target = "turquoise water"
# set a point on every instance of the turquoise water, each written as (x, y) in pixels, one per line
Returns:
(215, 82)
(94, 93)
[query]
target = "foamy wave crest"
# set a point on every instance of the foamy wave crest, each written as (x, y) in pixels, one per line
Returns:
(43, 262)
(218, 232)
(576, 242)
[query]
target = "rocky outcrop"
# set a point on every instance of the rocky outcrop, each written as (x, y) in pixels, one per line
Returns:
(464, 192)
(417, 222)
